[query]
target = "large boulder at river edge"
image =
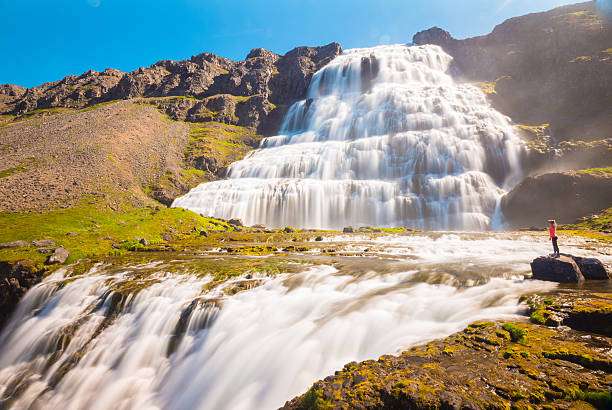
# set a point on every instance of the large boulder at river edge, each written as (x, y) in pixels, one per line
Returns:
(591, 268)
(562, 269)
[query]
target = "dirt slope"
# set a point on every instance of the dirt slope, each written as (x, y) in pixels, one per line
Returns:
(114, 151)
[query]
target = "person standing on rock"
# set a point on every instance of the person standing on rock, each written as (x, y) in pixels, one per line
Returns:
(552, 231)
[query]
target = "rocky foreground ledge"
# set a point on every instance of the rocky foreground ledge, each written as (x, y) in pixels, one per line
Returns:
(490, 365)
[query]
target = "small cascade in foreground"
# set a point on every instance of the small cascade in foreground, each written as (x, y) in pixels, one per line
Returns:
(385, 138)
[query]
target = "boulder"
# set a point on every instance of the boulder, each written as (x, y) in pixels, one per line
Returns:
(59, 256)
(43, 243)
(591, 268)
(562, 269)
(14, 244)
(348, 229)
(235, 222)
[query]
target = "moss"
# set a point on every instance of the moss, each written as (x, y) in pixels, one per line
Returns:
(538, 317)
(596, 171)
(313, 400)
(517, 334)
(599, 399)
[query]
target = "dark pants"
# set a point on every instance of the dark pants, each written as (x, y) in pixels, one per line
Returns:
(555, 246)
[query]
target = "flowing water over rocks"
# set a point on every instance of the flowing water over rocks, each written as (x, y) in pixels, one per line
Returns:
(147, 336)
(386, 138)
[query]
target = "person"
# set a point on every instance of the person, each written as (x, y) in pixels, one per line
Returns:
(552, 231)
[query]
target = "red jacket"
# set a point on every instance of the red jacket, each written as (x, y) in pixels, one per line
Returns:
(552, 230)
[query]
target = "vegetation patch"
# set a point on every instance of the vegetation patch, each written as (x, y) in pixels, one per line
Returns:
(596, 171)
(91, 229)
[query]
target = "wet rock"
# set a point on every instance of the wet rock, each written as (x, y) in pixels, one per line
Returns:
(14, 244)
(203, 233)
(348, 229)
(59, 256)
(235, 222)
(592, 268)
(562, 269)
(319, 238)
(143, 242)
(15, 280)
(288, 229)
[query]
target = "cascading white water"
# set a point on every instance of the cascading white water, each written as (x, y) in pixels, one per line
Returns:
(385, 138)
(77, 344)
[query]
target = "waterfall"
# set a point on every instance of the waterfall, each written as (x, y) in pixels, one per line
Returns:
(386, 137)
(147, 338)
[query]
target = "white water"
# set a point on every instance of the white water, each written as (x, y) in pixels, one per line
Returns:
(386, 138)
(258, 348)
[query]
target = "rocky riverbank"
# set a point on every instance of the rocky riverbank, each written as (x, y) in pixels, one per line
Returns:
(495, 365)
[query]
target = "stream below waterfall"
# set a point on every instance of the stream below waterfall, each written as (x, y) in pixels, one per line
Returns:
(144, 336)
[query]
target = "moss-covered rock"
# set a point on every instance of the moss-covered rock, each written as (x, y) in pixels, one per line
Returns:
(489, 365)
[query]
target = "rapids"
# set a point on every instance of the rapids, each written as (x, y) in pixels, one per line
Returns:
(94, 342)
(386, 137)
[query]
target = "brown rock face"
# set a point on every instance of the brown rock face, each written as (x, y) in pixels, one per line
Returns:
(564, 196)
(15, 280)
(254, 93)
(553, 67)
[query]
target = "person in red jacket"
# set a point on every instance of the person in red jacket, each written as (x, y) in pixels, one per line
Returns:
(552, 231)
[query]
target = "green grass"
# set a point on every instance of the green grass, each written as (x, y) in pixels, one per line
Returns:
(90, 230)
(593, 224)
(223, 142)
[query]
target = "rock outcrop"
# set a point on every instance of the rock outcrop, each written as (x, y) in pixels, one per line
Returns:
(487, 366)
(562, 269)
(254, 93)
(15, 280)
(564, 196)
(543, 68)
(568, 269)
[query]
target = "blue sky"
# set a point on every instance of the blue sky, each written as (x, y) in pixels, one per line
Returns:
(45, 40)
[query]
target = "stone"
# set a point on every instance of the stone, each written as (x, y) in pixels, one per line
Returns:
(14, 244)
(592, 268)
(235, 222)
(319, 238)
(203, 233)
(43, 243)
(562, 269)
(59, 256)
(15, 280)
(288, 229)
(348, 229)
(143, 242)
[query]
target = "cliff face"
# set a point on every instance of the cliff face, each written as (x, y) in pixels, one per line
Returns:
(565, 196)
(254, 93)
(544, 68)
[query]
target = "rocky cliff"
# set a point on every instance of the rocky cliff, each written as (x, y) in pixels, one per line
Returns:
(254, 93)
(544, 68)
(565, 196)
